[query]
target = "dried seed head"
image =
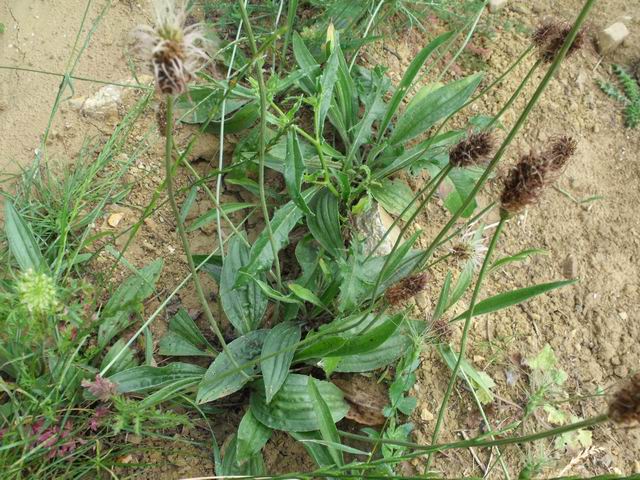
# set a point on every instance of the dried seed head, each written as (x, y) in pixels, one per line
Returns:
(560, 151)
(625, 407)
(523, 184)
(174, 52)
(406, 289)
(550, 37)
(161, 118)
(527, 179)
(442, 330)
(471, 150)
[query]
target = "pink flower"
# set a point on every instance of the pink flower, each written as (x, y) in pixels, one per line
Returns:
(95, 420)
(101, 388)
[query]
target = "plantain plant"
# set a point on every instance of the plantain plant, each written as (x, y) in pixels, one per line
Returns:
(307, 298)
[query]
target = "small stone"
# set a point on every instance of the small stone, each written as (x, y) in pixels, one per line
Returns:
(621, 371)
(623, 315)
(114, 219)
(570, 267)
(103, 105)
(372, 225)
(496, 5)
(135, 439)
(612, 37)
(615, 361)
(426, 415)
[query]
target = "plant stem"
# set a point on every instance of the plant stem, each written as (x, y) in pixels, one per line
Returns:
(465, 333)
(261, 144)
(183, 235)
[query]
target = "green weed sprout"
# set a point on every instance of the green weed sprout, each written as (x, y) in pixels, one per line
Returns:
(629, 96)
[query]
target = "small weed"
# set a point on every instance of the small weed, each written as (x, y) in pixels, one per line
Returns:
(629, 96)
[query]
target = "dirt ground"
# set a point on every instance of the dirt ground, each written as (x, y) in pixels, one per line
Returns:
(593, 326)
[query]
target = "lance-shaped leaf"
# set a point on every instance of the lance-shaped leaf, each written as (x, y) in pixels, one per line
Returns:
(252, 436)
(327, 428)
(292, 408)
(294, 170)
(324, 225)
(184, 338)
(425, 110)
(284, 220)
(21, 241)
(277, 354)
(244, 305)
(223, 377)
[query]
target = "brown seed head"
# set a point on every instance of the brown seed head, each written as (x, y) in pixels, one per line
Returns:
(625, 406)
(560, 151)
(523, 184)
(527, 179)
(471, 150)
(406, 289)
(442, 330)
(550, 37)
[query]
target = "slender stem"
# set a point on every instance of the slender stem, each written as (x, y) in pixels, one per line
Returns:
(183, 235)
(514, 131)
(465, 333)
(261, 145)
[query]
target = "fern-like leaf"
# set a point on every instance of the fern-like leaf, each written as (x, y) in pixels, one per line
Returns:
(631, 87)
(611, 90)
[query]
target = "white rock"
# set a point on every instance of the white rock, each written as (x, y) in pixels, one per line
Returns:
(612, 37)
(372, 225)
(103, 105)
(495, 5)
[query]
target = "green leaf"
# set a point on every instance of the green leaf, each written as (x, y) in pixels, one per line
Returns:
(384, 355)
(126, 300)
(463, 182)
(327, 425)
(211, 215)
(184, 338)
(312, 442)
(443, 299)
(292, 408)
(275, 369)
(125, 361)
(395, 196)
(244, 305)
(222, 377)
(145, 378)
(294, 170)
(462, 284)
(306, 295)
(212, 265)
(231, 467)
(424, 111)
(168, 392)
(21, 241)
(480, 381)
(252, 436)
(352, 340)
(325, 224)
(274, 294)
(307, 63)
(283, 221)
(507, 299)
(518, 257)
(327, 84)
(409, 76)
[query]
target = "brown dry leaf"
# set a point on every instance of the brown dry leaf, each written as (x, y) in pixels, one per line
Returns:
(366, 399)
(114, 219)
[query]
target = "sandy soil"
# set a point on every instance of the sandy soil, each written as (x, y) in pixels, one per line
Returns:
(592, 326)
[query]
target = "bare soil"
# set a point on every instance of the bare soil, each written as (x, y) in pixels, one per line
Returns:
(593, 326)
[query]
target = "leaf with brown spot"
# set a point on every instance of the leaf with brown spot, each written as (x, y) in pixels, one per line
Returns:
(366, 399)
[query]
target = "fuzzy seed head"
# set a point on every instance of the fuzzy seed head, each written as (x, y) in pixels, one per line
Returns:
(406, 288)
(37, 292)
(561, 150)
(525, 182)
(550, 37)
(471, 150)
(173, 52)
(625, 406)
